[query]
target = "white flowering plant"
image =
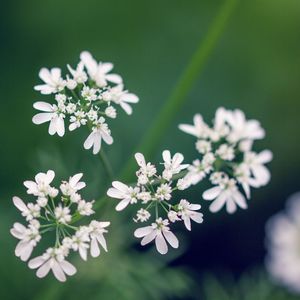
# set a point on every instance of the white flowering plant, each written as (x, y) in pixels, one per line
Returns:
(87, 96)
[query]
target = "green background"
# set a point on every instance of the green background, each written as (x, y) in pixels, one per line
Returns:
(255, 67)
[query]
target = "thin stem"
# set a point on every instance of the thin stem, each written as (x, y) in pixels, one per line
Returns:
(106, 164)
(183, 87)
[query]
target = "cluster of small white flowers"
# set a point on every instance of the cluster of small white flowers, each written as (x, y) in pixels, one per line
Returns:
(85, 97)
(154, 193)
(283, 245)
(51, 212)
(226, 156)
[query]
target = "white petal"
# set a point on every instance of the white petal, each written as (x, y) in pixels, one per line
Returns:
(43, 106)
(171, 238)
(114, 193)
(187, 222)
(95, 250)
(102, 241)
(265, 156)
(60, 126)
(127, 108)
(130, 98)
(58, 272)
(230, 206)
(75, 179)
(45, 75)
(68, 268)
(140, 159)
(36, 262)
(197, 217)
(240, 200)
(212, 193)
(161, 244)
(106, 67)
(41, 118)
(53, 126)
(89, 141)
(83, 253)
(218, 203)
(97, 143)
(166, 156)
(141, 232)
(122, 204)
(190, 129)
(148, 238)
(115, 78)
(43, 270)
(19, 204)
(107, 138)
(89, 62)
(120, 186)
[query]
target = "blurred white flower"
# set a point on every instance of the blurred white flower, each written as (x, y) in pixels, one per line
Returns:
(283, 240)
(227, 194)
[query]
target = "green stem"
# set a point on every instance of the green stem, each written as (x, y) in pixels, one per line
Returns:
(177, 98)
(106, 164)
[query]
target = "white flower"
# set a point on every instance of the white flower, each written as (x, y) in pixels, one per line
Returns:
(172, 164)
(187, 213)
(173, 216)
(99, 71)
(203, 146)
(197, 172)
(122, 98)
(41, 185)
(50, 113)
(255, 162)
(97, 229)
(100, 131)
(128, 195)
(78, 75)
(72, 186)
(89, 94)
(160, 232)
(92, 114)
(85, 208)
(29, 211)
(29, 237)
(142, 215)
(225, 152)
(146, 169)
(80, 241)
(283, 240)
(227, 194)
(163, 192)
(199, 129)
(71, 84)
(144, 196)
(53, 260)
(62, 214)
(242, 128)
(111, 112)
(77, 120)
(53, 81)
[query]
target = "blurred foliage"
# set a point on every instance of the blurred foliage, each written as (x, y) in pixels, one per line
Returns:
(254, 285)
(255, 67)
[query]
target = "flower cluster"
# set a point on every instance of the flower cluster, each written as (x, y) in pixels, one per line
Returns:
(86, 96)
(283, 244)
(153, 195)
(227, 158)
(57, 211)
